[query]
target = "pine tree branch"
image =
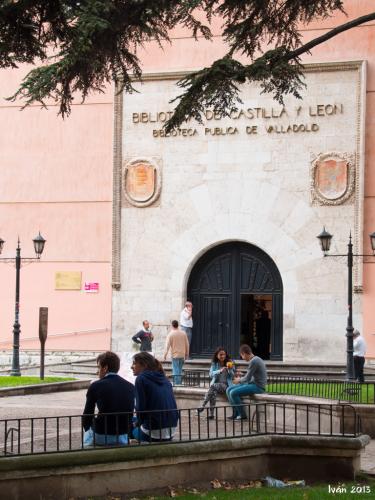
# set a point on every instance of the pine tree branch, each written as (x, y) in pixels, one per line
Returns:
(331, 34)
(278, 71)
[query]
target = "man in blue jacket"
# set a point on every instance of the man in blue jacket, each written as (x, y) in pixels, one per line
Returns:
(111, 394)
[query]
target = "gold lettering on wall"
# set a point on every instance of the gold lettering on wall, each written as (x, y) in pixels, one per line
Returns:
(268, 116)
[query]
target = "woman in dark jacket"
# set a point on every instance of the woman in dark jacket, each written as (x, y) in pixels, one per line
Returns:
(157, 414)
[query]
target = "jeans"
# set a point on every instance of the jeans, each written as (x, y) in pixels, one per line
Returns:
(177, 364)
(103, 439)
(188, 331)
(236, 392)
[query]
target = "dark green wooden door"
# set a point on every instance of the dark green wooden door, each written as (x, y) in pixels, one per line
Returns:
(215, 286)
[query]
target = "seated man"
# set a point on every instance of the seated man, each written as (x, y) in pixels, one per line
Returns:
(253, 382)
(111, 394)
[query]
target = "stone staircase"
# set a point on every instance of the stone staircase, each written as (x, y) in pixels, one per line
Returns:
(78, 369)
(87, 369)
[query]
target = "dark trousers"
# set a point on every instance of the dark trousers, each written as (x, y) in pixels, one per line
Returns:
(359, 363)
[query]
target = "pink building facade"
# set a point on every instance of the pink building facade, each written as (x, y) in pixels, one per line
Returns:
(57, 177)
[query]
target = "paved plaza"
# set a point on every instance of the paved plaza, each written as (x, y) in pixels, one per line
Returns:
(72, 403)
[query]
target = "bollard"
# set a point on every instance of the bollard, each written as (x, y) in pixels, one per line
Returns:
(43, 327)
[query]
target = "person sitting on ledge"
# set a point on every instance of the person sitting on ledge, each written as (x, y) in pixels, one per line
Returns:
(111, 394)
(221, 375)
(253, 382)
(153, 392)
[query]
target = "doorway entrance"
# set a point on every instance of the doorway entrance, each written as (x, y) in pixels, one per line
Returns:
(236, 290)
(256, 320)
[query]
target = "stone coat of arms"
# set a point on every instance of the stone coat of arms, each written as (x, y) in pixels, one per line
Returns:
(141, 182)
(332, 178)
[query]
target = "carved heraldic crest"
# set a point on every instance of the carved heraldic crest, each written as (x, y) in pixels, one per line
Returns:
(141, 182)
(332, 178)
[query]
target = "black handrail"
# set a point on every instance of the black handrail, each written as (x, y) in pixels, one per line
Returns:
(65, 434)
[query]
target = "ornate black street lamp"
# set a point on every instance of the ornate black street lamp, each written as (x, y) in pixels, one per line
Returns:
(39, 242)
(325, 242)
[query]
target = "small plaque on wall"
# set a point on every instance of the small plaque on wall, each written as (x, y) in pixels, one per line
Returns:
(68, 280)
(91, 286)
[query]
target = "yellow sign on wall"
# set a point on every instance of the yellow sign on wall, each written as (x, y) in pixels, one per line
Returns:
(68, 280)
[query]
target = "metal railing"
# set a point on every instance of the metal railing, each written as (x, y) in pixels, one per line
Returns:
(338, 390)
(28, 436)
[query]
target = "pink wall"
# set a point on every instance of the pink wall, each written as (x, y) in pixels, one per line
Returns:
(56, 177)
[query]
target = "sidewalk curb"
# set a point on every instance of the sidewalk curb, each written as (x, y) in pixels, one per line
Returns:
(24, 390)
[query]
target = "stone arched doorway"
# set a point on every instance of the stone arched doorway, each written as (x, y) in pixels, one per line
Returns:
(237, 293)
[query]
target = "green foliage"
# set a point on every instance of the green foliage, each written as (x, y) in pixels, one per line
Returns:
(218, 86)
(79, 46)
(7, 381)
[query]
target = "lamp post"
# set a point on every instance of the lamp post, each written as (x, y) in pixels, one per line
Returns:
(325, 242)
(39, 242)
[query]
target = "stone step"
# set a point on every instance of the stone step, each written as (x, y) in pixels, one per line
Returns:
(271, 365)
(88, 367)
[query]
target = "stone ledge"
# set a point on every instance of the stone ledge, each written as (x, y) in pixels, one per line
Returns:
(69, 460)
(151, 467)
(23, 390)
(191, 397)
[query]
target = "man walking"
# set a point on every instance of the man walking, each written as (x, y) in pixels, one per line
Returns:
(253, 382)
(177, 343)
(144, 337)
(186, 320)
(359, 351)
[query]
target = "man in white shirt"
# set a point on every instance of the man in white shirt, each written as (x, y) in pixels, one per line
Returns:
(186, 320)
(359, 351)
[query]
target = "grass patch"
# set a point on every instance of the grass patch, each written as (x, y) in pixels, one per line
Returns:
(357, 393)
(363, 488)
(7, 381)
(307, 493)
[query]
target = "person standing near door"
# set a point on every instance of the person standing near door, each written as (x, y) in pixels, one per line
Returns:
(263, 332)
(359, 351)
(186, 320)
(177, 342)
